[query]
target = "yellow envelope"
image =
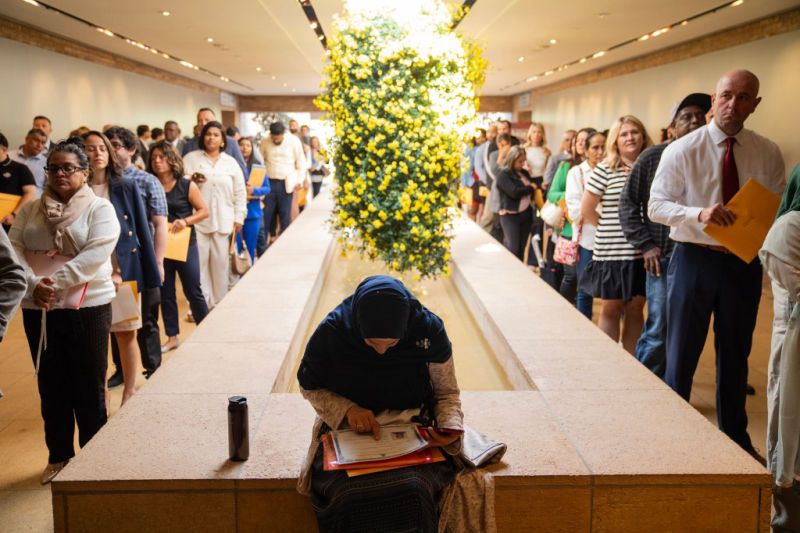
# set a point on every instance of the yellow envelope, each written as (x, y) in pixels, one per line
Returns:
(178, 244)
(755, 207)
(257, 174)
(8, 202)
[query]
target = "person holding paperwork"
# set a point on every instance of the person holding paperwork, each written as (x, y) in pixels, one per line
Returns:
(697, 176)
(255, 195)
(81, 230)
(221, 181)
(135, 257)
(16, 180)
(380, 354)
(186, 207)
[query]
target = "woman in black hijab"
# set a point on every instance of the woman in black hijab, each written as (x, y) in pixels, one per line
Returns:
(380, 354)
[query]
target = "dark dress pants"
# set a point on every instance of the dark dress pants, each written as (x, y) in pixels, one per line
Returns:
(189, 272)
(72, 374)
(702, 282)
(148, 336)
(277, 200)
(516, 228)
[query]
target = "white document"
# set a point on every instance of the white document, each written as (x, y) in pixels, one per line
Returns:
(124, 306)
(396, 441)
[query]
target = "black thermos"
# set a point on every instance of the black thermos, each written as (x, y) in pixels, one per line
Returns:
(238, 429)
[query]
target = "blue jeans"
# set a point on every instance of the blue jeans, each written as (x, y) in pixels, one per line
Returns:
(583, 301)
(651, 349)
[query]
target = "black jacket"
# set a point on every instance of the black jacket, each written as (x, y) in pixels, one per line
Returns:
(511, 189)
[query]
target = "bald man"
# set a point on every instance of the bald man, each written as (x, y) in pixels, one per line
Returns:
(697, 176)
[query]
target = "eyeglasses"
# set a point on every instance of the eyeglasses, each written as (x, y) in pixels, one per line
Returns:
(68, 170)
(116, 145)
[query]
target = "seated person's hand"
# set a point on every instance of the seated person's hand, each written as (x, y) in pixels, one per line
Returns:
(363, 421)
(442, 439)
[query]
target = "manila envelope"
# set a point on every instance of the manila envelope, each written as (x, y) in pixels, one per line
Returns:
(125, 306)
(178, 244)
(8, 202)
(257, 174)
(755, 207)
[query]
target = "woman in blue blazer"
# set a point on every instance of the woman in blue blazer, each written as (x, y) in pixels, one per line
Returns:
(135, 258)
(255, 212)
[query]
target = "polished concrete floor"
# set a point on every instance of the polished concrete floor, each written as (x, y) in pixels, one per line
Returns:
(25, 505)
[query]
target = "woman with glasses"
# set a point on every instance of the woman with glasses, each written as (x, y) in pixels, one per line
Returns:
(135, 257)
(186, 208)
(221, 181)
(67, 313)
(616, 272)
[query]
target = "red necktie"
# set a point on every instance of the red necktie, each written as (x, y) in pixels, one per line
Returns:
(730, 176)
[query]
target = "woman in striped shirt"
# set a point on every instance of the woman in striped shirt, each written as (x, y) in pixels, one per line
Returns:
(616, 273)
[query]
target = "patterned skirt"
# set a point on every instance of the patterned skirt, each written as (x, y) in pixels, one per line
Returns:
(402, 500)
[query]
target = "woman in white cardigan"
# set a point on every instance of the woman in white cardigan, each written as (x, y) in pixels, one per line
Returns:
(71, 227)
(222, 183)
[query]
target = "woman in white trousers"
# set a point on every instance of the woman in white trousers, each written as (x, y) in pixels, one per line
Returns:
(222, 184)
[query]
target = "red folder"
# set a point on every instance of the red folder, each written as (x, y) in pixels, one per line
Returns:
(46, 263)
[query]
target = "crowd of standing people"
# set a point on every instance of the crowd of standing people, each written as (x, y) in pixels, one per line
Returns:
(92, 219)
(613, 216)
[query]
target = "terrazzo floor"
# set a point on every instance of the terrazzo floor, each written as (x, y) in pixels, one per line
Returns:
(25, 505)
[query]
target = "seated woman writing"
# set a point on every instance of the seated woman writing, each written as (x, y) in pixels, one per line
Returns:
(380, 354)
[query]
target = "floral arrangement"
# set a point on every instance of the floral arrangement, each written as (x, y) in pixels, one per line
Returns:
(401, 91)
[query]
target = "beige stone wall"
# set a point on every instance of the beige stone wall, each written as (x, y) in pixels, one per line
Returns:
(651, 93)
(73, 92)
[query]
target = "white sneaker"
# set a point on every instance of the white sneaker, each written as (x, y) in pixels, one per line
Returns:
(52, 470)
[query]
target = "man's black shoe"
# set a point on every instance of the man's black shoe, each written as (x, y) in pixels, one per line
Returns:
(115, 380)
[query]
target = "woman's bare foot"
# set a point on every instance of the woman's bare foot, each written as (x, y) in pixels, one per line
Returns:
(126, 395)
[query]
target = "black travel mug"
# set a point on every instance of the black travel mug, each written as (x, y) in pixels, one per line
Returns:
(238, 429)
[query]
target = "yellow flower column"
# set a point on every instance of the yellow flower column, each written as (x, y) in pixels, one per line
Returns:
(402, 97)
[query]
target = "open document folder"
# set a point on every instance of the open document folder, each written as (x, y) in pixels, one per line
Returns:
(396, 441)
(755, 207)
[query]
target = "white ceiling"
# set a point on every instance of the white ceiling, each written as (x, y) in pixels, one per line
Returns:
(275, 35)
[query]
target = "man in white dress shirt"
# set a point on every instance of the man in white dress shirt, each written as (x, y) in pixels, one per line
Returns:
(697, 176)
(286, 168)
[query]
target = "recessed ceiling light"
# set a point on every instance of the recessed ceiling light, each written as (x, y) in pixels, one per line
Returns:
(166, 13)
(294, 90)
(737, 3)
(274, 77)
(258, 69)
(210, 39)
(599, 54)
(285, 84)
(553, 41)
(603, 15)
(313, 25)
(521, 59)
(32, 2)
(644, 37)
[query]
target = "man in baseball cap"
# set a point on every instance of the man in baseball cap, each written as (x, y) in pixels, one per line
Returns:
(651, 238)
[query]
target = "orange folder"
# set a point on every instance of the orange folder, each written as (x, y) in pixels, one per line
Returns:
(178, 244)
(755, 207)
(8, 202)
(256, 178)
(420, 457)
